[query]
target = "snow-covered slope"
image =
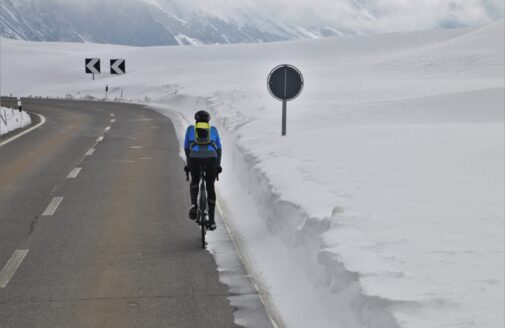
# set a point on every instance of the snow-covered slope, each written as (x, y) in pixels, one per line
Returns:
(12, 119)
(384, 204)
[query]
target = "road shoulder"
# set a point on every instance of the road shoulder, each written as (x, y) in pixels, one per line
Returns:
(36, 119)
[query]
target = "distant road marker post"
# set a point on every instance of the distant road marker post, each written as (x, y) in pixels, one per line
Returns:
(285, 83)
(20, 106)
(92, 66)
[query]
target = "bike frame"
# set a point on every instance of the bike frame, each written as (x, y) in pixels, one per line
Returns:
(202, 206)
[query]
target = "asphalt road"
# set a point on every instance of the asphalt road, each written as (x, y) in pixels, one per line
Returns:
(111, 246)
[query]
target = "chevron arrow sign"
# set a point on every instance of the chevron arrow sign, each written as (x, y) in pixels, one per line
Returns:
(92, 65)
(117, 66)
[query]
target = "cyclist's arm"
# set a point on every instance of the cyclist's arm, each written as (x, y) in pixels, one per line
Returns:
(187, 151)
(187, 144)
(219, 149)
(219, 153)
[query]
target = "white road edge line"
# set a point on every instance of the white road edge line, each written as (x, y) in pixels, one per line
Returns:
(53, 206)
(11, 266)
(42, 121)
(74, 173)
(276, 320)
(100, 139)
(90, 152)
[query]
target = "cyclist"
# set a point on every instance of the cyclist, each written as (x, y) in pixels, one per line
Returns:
(202, 146)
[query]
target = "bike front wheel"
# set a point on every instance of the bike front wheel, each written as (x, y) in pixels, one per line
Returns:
(203, 227)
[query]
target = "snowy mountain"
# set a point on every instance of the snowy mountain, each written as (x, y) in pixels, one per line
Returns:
(172, 22)
(139, 23)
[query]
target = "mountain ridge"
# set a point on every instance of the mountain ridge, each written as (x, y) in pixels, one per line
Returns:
(149, 24)
(182, 22)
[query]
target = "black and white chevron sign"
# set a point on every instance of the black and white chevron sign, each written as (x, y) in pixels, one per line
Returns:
(117, 66)
(92, 65)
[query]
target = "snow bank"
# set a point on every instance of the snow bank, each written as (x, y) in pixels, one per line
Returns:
(384, 204)
(12, 119)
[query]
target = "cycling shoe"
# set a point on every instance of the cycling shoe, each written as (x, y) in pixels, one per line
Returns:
(192, 212)
(211, 226)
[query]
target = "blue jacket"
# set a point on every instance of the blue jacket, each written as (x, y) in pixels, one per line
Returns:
(194, 150)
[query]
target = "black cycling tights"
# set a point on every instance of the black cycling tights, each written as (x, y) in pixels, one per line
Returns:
(210, 165)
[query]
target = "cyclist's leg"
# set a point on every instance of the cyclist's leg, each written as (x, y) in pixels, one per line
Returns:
(211, 172)
(194, 168)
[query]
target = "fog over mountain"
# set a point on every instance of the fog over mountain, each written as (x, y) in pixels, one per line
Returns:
(173, 22)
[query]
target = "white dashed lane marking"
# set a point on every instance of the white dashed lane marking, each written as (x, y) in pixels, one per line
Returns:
(53, 206)
(11, 266)
(135, 147)
(90, 152)
(107, 128)
(74, 173)
(113, 120)
(100, 139)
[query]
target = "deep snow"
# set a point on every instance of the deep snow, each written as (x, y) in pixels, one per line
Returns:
(383, 206)
(12, 119)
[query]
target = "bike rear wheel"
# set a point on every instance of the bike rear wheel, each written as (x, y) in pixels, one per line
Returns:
(203, 214)
(203, 228)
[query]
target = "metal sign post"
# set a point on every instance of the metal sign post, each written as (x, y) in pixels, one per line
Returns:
(285, 83)
(284, 116)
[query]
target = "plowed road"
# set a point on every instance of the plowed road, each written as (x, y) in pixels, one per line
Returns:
(94, 229)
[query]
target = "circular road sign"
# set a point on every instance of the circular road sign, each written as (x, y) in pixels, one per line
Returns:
(285, 82)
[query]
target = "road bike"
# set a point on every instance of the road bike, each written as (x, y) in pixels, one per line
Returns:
(203, 206)
(202, 216)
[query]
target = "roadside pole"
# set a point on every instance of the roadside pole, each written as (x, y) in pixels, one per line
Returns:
(20, 106)
(284, 118)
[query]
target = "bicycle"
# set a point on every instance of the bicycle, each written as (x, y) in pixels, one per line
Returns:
(202, 210)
